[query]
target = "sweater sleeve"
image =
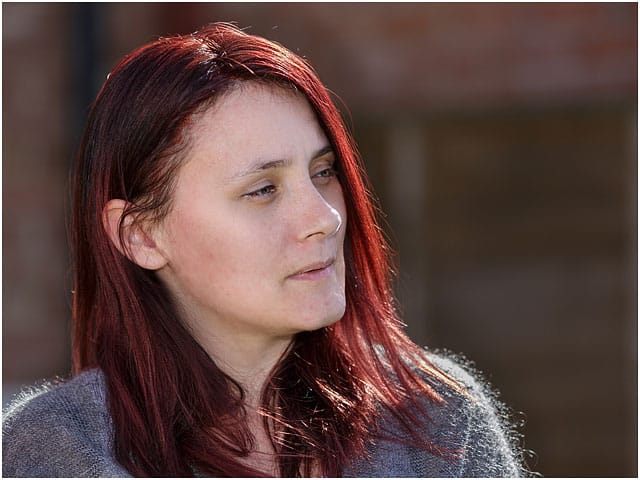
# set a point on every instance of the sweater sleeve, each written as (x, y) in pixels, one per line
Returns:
(60, 431)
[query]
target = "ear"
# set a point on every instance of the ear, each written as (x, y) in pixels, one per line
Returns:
(139, 245)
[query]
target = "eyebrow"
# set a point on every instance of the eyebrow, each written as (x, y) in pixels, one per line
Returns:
(261, 166)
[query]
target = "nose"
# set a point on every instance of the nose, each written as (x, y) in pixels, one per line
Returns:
(317, 217)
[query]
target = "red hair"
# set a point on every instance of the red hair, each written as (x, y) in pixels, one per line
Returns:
(175, 413)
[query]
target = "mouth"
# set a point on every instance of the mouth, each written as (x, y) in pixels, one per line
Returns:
(314, 271)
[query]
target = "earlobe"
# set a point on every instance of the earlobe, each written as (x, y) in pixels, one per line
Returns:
(136, 242)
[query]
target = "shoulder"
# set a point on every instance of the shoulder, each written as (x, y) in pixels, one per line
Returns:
(470, 421)
(60, 430)
(476, 422)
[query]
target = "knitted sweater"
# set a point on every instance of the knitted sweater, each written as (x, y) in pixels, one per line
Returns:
(65, 431)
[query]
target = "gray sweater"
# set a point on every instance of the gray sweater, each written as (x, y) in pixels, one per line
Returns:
(65, 431)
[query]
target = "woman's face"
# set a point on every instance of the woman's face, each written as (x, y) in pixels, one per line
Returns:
(254, 240)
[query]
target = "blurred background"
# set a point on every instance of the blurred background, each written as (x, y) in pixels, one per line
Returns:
(501, 140)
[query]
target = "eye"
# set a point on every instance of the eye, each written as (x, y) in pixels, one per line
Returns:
(326, 174)
(265, 191)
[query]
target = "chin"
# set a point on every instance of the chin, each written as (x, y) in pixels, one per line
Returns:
(327, 319)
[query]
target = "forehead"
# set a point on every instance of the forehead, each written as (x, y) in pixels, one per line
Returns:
(257, 119)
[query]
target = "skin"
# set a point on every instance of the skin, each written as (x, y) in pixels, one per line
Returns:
(257, 210)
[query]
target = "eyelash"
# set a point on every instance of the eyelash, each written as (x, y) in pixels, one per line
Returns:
(261, 192)
(268, 190)
(327, 172)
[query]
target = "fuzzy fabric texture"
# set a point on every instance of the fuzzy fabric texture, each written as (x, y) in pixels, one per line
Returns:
(64, 430)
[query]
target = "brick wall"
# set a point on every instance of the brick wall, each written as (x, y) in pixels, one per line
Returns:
(35, 153)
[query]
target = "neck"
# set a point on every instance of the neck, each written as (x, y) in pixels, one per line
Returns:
(251, 367)
(248, 360)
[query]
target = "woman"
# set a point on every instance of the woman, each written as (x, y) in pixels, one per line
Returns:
(232, 309)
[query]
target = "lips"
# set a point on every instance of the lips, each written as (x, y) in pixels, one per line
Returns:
(313, 269)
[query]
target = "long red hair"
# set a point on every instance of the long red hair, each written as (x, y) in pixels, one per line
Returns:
(174, 412)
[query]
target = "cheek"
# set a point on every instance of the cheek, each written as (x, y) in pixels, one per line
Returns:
(222, 252)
